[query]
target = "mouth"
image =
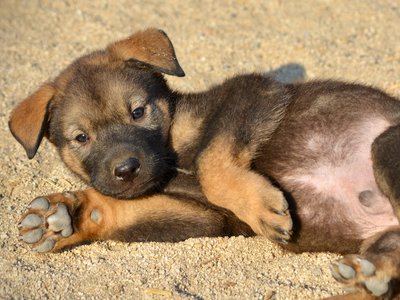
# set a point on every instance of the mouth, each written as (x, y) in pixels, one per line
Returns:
(153, 177)
(152, 185)
(131, 190)
(135, 191)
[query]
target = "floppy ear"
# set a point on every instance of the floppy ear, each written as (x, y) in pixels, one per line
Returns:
(151, 49)
(28, 121)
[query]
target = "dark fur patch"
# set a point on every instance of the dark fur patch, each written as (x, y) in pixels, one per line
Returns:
(388, 242)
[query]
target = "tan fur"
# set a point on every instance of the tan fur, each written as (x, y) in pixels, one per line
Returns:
(185, 129)
(63, 79)
(162, 104)
(244, 158)
(99, 58)
(247, 194)
(74, 163)
(117, 214)
(78, 116)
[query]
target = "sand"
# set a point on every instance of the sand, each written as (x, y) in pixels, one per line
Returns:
(352, 40)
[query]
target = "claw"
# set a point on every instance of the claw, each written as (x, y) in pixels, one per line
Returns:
(336, 275)
(280, 240)
(279, 212)
(281, 231)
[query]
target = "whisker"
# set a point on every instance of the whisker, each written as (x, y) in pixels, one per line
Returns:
(184, 171)
(170, 161)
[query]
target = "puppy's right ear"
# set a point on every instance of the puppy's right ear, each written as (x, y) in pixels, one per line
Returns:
(151, 49)
(28, 121)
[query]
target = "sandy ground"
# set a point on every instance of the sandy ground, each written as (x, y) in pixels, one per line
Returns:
(353, 40)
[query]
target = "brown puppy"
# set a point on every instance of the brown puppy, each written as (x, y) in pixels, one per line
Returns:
(329, 146)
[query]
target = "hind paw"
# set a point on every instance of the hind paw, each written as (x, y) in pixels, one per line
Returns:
(358, 272)
(47, 222)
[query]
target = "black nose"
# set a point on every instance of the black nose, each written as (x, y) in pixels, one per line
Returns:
(128, 169)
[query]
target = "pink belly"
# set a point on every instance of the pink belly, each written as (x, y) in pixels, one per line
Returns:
(340, 187)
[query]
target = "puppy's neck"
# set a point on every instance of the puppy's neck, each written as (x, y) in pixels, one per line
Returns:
(186, 126)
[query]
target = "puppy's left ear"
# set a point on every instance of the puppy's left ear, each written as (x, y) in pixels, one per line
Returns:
(150, 49)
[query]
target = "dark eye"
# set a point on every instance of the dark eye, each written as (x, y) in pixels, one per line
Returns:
(82, 138)
(138, 113)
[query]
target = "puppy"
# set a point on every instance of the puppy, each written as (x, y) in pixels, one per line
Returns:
(249, 146)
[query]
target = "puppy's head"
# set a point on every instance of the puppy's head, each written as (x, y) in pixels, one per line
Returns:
(108, 114)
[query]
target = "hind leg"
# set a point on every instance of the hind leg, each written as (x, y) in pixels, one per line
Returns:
(377, 268)
(386, 164)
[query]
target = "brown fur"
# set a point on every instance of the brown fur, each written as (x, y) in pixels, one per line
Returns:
(74, 164)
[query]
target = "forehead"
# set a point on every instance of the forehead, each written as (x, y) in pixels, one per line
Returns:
(104, 86)
(98, 94)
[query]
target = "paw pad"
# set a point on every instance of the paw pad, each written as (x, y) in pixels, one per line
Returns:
(44, 224)
(360, 273)
(46, 246)
(346, 271)
(31, 220)
(33, 236)
(40, 203)
(377, 287)
(60, 220)
(95, 216)
(367, 267)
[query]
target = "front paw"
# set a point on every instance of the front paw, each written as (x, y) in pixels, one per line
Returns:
(47, 222)
(270, 217)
